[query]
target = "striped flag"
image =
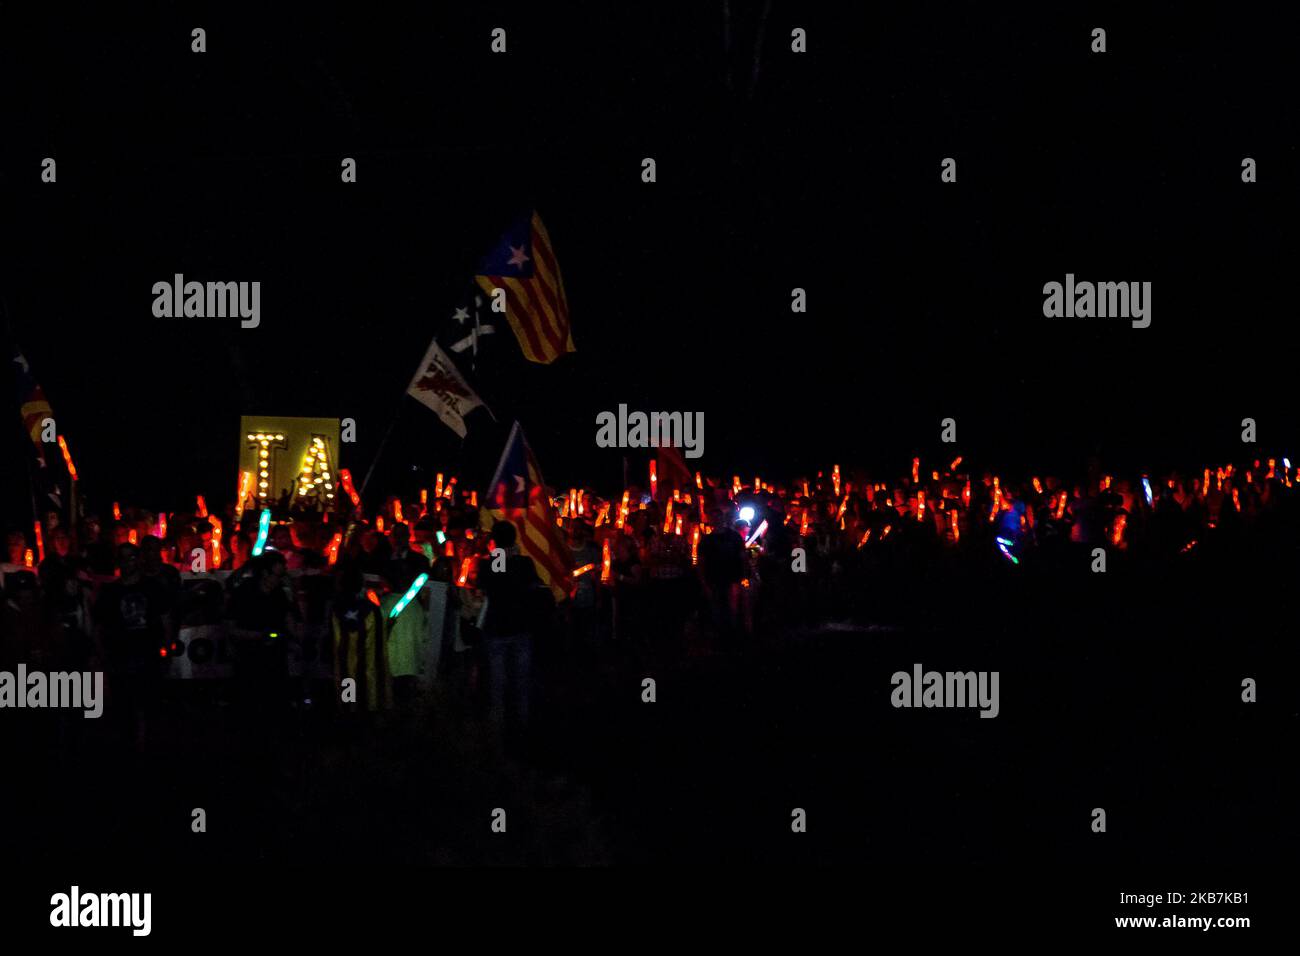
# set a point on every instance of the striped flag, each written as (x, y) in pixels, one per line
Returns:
(672, 471)
(523, 264)
(518, 494)
(32, 403)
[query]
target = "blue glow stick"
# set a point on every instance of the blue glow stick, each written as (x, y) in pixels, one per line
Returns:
(408, 597)
(263, 529)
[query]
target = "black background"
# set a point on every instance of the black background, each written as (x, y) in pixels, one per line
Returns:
(925, 299)
(925, 302)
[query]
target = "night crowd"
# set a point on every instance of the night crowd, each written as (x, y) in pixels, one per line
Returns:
(304, 597)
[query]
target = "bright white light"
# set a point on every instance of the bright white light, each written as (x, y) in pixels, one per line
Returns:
(747, 514)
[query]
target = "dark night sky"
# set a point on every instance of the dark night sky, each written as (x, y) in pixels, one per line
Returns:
(925, 299)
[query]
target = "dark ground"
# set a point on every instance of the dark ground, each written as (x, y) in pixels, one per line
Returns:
(1093, 667)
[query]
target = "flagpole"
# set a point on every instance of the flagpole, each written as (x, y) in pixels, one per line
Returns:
(9, 342)
(31, 491)
(382, 443)
(501, 464)
(460, 453)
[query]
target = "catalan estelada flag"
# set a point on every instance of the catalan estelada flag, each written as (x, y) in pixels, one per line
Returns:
(517, 494)
(523, 264)
(32, 403)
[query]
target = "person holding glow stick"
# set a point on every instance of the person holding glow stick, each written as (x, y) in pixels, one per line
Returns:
(723, 564)
(406, 624)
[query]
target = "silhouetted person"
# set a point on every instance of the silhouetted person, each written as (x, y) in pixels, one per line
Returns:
(135, 633)
(508, 624)
(263, 615)
(722, 566)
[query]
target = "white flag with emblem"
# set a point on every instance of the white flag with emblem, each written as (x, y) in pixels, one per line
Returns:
(439, 385)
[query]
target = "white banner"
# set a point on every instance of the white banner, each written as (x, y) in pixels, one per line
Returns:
(439, 385)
